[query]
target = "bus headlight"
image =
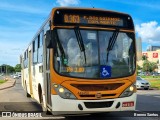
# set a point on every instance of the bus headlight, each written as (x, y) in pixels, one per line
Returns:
(131, 88)
(63, 92)
(129, 91)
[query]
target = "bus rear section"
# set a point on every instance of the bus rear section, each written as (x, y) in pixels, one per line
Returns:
(92, 61)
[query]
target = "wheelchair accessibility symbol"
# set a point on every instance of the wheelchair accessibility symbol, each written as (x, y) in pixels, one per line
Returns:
(105, 71)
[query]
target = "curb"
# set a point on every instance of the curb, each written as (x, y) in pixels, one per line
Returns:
(154, 88)
(5, 86)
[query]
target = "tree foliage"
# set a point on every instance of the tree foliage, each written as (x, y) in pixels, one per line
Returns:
(10, 69)
(144, 57)
(149, 66)
(6, 69)
(17, 68)
(146, 66)
(138, 67)
(153, 66)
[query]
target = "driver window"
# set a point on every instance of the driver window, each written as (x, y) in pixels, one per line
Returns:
(70, 45)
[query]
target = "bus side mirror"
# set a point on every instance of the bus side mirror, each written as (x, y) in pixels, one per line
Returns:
(49, 39)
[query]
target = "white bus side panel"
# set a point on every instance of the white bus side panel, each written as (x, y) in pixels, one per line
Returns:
(37, 79)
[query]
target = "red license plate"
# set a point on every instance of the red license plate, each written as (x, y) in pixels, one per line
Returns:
(128, 104)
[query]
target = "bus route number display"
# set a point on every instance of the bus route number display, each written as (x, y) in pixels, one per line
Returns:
(75, 69)
(84, 19)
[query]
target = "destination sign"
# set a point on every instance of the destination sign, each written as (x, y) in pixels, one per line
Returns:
(75, 69)
(97, 18)
(89, 19)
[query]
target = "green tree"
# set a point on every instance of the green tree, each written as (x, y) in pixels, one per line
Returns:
(17, 68)
(144, 57)
(153, 66)
(149, 66)
(6, 69)
(138, 68)
(10, 69)
(3, 68)
(146, 66)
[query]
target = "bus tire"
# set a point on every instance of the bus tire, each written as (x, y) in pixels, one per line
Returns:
(27, 94)
(42, 102)
(41, 99)
(48, 112)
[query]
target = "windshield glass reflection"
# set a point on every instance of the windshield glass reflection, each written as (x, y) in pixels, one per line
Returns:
(87, 62)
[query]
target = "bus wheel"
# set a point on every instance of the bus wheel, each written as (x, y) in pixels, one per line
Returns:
(27, 94)
(41, 101)
(48, 113)
(42, 104)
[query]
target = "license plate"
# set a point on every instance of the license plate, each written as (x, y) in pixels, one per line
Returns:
(128, 104)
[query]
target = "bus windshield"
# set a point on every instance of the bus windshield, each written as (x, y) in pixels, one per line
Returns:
(92, 54)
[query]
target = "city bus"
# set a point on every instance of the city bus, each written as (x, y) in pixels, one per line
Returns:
(82, 60)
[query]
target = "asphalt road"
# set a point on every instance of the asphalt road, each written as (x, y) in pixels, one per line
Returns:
(14, 99)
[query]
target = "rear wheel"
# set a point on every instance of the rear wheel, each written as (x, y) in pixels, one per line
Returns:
(41, 100)
(42, 103)
(27, 94)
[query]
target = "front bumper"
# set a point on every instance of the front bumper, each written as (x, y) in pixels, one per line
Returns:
(62, 106)
(143, 86)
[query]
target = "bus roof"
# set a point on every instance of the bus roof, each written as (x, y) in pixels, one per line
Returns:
(89, 9)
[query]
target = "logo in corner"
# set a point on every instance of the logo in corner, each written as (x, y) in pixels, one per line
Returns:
(98, 95)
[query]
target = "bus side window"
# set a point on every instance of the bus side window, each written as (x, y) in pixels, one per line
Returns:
(35, 46)
(26, 59)
(47, 59)
(40, 47)
(46, 27)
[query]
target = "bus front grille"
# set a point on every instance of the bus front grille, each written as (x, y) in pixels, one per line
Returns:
(98, 104)
(97, 87)
(103, 95)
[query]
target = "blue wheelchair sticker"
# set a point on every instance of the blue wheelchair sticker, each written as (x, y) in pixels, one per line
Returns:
(105, 71)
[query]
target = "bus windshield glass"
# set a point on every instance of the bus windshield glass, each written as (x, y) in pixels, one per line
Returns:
(93, 54)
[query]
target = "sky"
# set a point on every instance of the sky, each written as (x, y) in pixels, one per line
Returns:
(21, 19)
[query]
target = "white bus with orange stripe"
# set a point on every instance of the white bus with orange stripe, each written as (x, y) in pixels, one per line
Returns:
(82, 61)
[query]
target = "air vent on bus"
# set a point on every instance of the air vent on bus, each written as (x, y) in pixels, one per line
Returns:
(97, 87)
(103, 95)
(98, 104)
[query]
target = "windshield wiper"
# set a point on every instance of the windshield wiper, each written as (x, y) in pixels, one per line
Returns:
(59, 44)
(112, 41)
(80, 41)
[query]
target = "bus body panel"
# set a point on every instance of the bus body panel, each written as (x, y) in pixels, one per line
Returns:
(65, 106)
(26, 80)
(37, 80)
